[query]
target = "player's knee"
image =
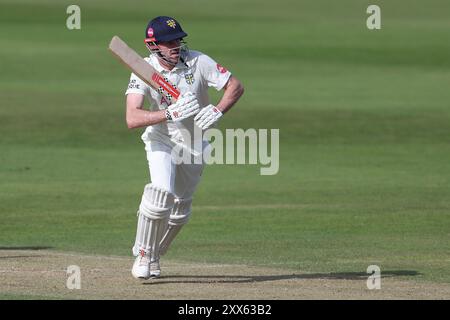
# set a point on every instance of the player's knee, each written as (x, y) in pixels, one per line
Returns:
(181, 212)
(156, 203)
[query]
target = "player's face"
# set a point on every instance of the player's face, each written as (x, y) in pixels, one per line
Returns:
(171, 50)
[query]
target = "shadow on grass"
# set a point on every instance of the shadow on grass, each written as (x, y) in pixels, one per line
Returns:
(25, 248)
(34, 248)
(251, 279)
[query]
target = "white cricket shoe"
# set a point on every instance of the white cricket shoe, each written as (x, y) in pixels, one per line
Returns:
(155, 269)
(141, 266)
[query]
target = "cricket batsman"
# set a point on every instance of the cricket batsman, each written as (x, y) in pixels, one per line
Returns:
(166, 204)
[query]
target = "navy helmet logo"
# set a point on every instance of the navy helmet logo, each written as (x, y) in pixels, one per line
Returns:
(171, 23)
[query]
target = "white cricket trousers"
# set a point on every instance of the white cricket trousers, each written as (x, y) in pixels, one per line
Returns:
(180, 179)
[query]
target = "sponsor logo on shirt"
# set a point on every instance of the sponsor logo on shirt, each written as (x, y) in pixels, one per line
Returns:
(164, 101)
(133, 85)
(221, 69)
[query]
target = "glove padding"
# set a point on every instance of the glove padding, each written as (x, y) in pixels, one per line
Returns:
(207, 116)
(185, 107)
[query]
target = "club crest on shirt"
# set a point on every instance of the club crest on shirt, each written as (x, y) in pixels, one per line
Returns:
(189, 78)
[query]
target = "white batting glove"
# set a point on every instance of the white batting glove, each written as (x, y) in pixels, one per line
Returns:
(185, 107)
(207, 116)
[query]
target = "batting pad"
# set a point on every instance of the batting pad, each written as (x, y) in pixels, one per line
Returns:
(154, 211)
(180, 215)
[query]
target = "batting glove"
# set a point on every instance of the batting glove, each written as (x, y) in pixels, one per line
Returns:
(207, 116)
(185, 107)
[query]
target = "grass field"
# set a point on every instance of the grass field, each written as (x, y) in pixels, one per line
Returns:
(364, 121)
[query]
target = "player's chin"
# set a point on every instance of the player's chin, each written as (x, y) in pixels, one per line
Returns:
(174, 59)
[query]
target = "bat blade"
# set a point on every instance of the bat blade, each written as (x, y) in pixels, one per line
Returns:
(133, 61)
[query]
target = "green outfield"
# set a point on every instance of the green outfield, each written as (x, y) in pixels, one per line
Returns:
(364, 119)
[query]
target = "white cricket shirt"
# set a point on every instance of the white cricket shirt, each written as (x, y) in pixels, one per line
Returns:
(197, 74)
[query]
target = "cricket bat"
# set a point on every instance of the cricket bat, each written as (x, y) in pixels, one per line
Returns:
(133, 61)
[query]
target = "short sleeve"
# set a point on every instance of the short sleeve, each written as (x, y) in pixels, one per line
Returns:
(215, 75)
(136, 85)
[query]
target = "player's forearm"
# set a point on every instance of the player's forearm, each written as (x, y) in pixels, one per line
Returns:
(233, 91)
(137, 118)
